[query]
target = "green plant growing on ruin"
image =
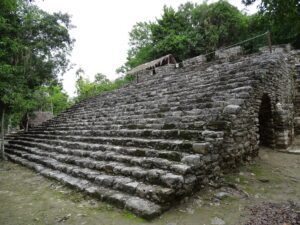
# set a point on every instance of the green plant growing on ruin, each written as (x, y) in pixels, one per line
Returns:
(86, 88)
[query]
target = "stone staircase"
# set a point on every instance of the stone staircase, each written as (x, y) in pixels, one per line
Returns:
(144, 146)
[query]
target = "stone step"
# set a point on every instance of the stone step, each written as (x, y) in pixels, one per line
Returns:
(150, 103)
(107, 155)
(157, 97)
(155, 193)
(183, 98)
(96, 126)
(190, 124)
(155, 113)
(81, 147)
(177, 120)
(93, 114)
(208, 81)
(203, 77)
(154, 176)
(141, 207)
(187, 125)
(159, 144)
(142, 133)
(193, 115)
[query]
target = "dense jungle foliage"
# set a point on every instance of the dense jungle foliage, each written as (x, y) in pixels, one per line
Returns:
(195, 29)
(34, 49)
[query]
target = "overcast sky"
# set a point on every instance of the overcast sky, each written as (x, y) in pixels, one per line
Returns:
(102, 29)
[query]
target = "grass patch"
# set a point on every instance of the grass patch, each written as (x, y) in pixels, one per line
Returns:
(257, 170)
(236, 178)
(105, 207)
(230, 199)
(131, 216)
(231, 178)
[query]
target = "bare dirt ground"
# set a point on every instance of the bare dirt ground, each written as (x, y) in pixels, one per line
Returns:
(264, 192)
(272, 213)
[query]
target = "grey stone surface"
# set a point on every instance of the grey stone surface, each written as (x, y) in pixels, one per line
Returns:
(229, 53)
(152, 142)
(37, 118)
(231, 109)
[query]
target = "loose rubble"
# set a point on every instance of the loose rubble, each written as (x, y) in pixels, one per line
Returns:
(274, 214)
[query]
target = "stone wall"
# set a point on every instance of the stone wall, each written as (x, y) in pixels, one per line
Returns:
(284, 48)
(269, 76)
(267, 86)
(273, 83)
(38, 117)
(229, 54)
(193, 61)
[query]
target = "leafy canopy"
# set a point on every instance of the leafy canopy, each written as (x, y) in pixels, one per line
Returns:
(86, 88)
(195, 29)
(282, 17)
(34, 49)
(189, 31)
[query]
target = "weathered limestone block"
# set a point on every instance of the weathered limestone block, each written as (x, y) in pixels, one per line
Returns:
(193, 160)
(284, 48)
(37, 118)
(228, 54)
(201, 148)
(193, 61)
(231, 109)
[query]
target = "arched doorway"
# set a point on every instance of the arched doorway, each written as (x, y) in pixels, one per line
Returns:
(266, 123)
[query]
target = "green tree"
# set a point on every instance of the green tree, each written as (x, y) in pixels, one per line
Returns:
(139, 37)
(189, 31)
(50, 98)
(282, 18)
(140, 46)
(59, 99)
(85, 88)
(34, 48)
(101, 79)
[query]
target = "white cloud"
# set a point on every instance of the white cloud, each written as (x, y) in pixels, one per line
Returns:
(102, 29)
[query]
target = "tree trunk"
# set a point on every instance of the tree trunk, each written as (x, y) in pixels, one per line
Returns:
(27, 118)
(52, 107)
(2, 134)
(9, 125)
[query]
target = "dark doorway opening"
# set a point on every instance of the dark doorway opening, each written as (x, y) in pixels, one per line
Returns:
(266, 123)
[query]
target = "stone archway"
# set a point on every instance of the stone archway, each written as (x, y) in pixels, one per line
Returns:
(266, 122)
